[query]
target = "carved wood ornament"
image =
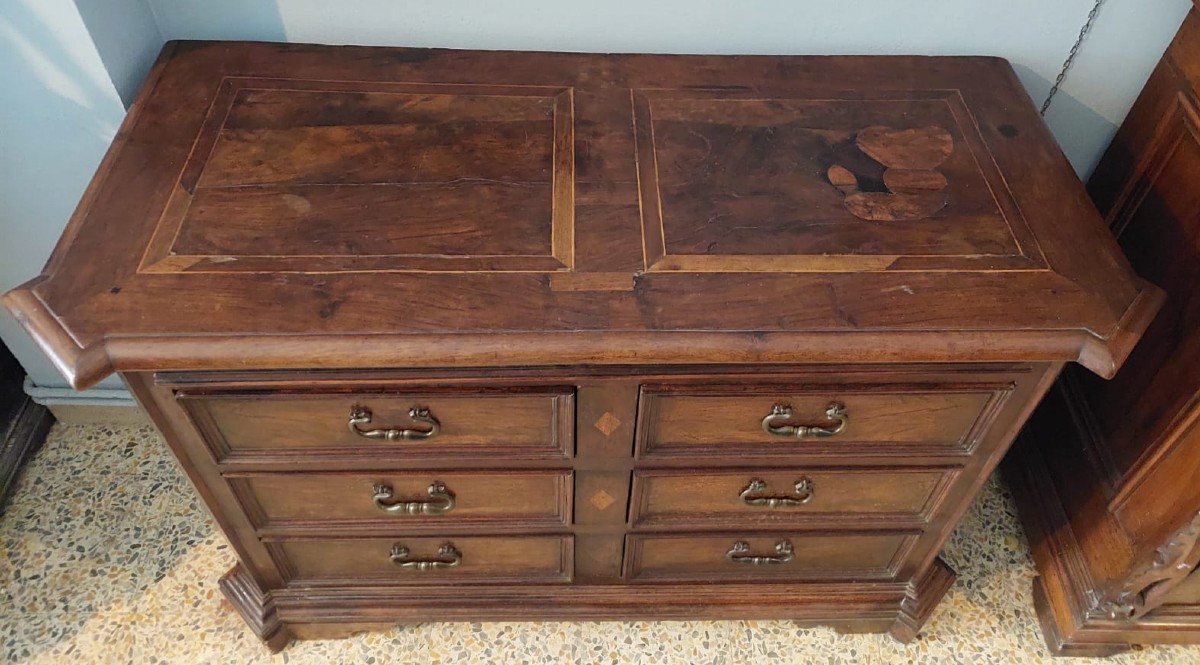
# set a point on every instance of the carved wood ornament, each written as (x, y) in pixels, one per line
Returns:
(1150, 583)
(893, 177)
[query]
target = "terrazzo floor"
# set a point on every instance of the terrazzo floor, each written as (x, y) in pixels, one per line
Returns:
(106, 556)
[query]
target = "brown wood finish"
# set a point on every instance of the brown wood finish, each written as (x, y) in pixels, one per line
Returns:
(319, 504)
(727, 419)
(492, 421)
(597, 273)
(492, 559)
(815, 555)
(700, 498)
(994, 275)
(1107, 475)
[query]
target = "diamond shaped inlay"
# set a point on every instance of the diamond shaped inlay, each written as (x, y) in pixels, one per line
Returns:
(608, 423)
(602, 500)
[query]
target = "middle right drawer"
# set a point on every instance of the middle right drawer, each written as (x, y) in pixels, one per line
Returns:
(815, 496)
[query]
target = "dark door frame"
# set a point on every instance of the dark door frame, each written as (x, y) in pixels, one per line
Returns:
(23, 423)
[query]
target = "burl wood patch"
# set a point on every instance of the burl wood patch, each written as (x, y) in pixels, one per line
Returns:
(905, 162)
(745, 181)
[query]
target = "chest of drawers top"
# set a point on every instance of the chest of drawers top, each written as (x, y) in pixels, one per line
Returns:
(271, 206)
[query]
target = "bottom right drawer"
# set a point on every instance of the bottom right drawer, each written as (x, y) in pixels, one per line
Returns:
(756, 556)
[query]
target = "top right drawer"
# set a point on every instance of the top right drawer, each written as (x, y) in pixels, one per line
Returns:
(861, 417)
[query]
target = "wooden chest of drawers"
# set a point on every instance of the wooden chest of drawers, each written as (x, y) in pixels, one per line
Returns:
(445, 335)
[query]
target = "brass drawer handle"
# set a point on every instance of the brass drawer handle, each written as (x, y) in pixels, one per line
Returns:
(781, 413)
(361, 415)
(740, 553)
(754, 495)
(447, 557)
(441, 500)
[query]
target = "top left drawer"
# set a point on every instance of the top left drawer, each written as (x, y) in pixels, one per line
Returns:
(527, 422)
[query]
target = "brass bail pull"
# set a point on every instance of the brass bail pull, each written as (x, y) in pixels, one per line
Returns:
(775, 422)
(755, 494)
(740, 553)
(441, 500)
(361, 415)
(447, 557)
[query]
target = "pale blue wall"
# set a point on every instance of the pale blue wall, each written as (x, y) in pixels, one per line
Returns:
(256, 20)
(1034, 34)
(58, 113)
(127, 38)
(66, 69)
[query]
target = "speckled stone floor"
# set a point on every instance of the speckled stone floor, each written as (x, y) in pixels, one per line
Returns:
(107, 556)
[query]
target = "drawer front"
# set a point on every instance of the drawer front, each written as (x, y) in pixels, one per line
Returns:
(321, 501)
(801, 495)
(758, 556)
(425, 560)
(526, 422)
(731, 419)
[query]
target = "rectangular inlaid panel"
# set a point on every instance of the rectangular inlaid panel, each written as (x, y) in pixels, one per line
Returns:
(515, 421)
(462, 559)
(322, 176)
(394, 501)
(792, 555)
(774, 496)
(728, 419)
(733, 181)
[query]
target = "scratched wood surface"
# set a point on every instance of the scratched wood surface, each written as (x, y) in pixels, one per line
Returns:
(268, 204)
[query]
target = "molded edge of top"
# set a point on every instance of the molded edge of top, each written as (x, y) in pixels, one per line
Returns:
(1105, 355)
(82, 366)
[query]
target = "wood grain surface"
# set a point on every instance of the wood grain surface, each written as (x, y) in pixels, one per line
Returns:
(267, 205)
(597, 274)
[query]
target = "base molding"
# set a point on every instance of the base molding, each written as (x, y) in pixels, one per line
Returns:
(923, 596)
(278, 617)
(1075, 645)
(256, 607)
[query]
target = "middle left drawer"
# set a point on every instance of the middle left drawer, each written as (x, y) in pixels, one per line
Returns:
(288, 503)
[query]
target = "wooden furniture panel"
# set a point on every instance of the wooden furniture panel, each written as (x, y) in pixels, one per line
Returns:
(573, 288)
(727, 420)
(391, 501)
(280, 161)
(1107, 474)
(472, 422)
(780, 205)
(463, 560)
(785, 555)
(782, 497)
(990, 292)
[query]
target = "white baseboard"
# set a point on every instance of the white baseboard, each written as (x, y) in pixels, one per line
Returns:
(67, 397)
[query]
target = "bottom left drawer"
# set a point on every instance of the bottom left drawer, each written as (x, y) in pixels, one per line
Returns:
(428, 559)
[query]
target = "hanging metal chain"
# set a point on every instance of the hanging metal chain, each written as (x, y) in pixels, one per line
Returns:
(1087, 27)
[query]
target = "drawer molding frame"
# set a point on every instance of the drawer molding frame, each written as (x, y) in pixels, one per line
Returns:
(564, 574)
(635, 542)
(786, 518)
(387, 525)
(561, 445)
(647, 450)
(351, 601)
